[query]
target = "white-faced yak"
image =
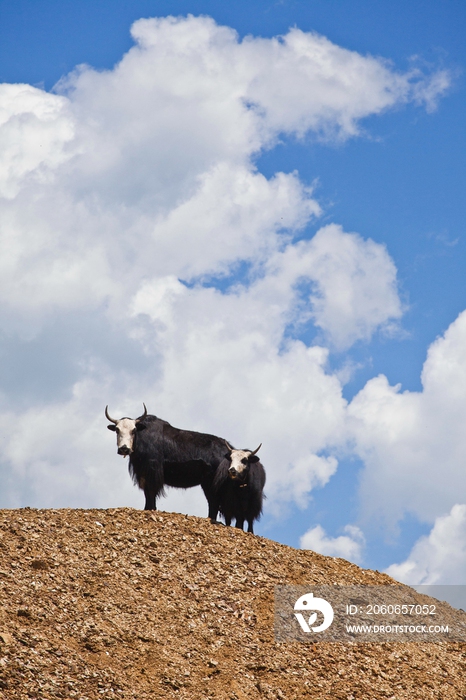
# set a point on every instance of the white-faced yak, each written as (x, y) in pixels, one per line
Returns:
(238, 487)
(161, 455)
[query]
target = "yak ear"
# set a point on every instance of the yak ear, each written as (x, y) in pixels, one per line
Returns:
(228, 456)
(112, 427)
(253, 458)
(140, 426)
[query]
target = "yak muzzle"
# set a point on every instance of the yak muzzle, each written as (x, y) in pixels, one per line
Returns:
(124, 450)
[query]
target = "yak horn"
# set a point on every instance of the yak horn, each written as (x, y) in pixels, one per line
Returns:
(144, 414)
(256, 450)
(229, 446)
(112, 420)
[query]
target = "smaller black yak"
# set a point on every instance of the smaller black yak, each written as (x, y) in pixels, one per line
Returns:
(238, 487)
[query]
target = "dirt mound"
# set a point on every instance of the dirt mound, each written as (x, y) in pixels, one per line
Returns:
(127, 604)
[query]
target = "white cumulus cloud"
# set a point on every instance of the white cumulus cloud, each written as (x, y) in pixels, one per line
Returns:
(35, 131)
(348, 284)
(125, 198)
(439, 558)
(348, 546)
(413, 443)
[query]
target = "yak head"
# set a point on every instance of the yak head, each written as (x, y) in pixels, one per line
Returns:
(126, 428)
(240, 462)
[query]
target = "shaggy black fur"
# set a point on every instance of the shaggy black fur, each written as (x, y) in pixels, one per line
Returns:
(167, 456)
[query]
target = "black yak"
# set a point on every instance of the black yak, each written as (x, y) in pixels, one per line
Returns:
(161, 455)
(238, 486)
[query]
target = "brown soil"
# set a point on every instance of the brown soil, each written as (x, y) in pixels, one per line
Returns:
(127, 604)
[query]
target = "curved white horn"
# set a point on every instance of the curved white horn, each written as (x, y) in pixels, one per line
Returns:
(143, 415)
(256, 450)
(112, 420)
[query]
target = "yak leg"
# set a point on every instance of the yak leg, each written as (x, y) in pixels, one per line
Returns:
(213, 512)
(212, 501)
(152, 483)
(239, 523)
(250, 528)
(150, 494)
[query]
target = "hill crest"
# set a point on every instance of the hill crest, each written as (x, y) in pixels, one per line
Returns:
(123, 603)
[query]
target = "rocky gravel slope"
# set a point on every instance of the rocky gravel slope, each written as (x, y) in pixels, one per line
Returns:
(129, 604)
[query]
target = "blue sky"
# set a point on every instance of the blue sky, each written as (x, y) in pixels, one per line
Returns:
(95, 320)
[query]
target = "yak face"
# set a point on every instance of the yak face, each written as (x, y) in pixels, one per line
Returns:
(126, 429)
(240, 461)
